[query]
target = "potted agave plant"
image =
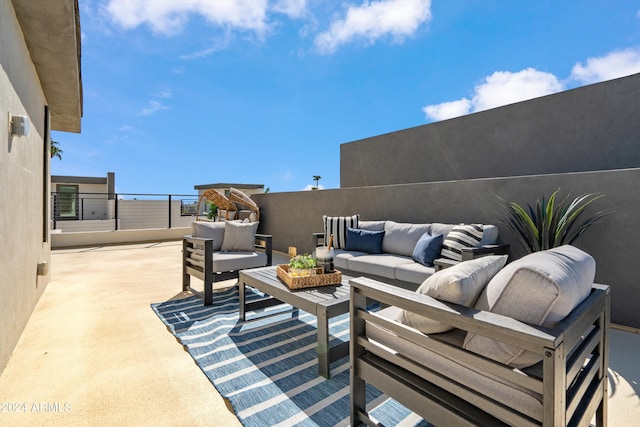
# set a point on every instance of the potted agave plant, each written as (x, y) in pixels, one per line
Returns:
(302, 265)
(551, 223)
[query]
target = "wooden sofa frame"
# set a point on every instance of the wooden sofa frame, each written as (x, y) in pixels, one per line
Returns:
(573, 383)
(203, 270)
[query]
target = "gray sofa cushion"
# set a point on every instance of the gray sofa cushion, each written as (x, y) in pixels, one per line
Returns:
(371, 225)
(209, 230)
(341, 258)
(413, 273)
(540, 289)
(460, 284)
(382, 265)
(401, 238)
(234, 261)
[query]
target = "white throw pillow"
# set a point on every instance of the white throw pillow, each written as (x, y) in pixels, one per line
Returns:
(460, 284)
(239, 237)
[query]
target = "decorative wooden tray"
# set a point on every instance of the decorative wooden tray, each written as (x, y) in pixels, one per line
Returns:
(320, 279)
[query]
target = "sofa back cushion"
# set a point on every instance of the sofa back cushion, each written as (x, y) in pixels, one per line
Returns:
(364, 240)
(337, 225)
(209, 230)
(540, 289)
(401, 238)
(371, 225)
(460, 284)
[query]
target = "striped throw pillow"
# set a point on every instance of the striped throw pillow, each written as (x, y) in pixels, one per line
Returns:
(337, 225)
(461, 236)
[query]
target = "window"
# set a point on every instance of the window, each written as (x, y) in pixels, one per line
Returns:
(66, 202)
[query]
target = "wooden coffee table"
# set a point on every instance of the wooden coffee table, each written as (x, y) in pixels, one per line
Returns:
(324, 302)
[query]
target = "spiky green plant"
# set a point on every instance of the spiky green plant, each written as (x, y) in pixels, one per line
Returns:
(551, 224)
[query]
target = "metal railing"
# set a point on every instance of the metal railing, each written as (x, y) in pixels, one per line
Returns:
(121, 211)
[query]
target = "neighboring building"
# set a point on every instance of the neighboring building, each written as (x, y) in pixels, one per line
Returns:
(40, 87)
(81, 197)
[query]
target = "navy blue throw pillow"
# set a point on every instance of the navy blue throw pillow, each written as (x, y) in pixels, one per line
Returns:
(364, 240)
(427, 249)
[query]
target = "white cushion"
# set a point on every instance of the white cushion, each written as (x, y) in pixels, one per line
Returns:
(460, 284)
(239, 237)
(401, 238)
(209, 230)
(541, 288)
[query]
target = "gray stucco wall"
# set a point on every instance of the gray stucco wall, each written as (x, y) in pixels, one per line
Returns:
(615, 243)
(596, 127)
(23, 188)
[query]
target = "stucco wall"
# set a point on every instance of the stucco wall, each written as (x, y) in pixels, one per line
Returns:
(615, 243)
(21, 186)
(594, 127)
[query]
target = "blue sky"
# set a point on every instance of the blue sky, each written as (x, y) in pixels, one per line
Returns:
(183, 93)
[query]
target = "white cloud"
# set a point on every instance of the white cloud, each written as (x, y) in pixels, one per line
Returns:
(500, 88)
(446, 110)
(373, 20)
(311, 187)
(169, 17)
(292, 8)
(153, 107)
(611, 66)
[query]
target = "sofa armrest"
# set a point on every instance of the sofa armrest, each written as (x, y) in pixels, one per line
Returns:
(318, 240)
(264, 242)
(480, 251)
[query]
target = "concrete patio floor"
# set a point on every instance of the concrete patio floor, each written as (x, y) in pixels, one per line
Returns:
(95, 354)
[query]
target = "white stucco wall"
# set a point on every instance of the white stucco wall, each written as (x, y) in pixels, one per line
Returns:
(21, 185)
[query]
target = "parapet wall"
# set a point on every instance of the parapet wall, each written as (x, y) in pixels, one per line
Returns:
(614, 243)
(595, 127)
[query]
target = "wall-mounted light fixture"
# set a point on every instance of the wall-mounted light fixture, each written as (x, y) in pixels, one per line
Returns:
(19, 125)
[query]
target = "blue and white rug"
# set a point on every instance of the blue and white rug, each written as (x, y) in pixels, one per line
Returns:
(267, 367)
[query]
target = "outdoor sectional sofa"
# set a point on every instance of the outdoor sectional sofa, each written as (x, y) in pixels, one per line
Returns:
(404, 254)
(481, 344)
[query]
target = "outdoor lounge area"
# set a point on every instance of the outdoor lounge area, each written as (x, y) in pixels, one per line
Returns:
(95, 353)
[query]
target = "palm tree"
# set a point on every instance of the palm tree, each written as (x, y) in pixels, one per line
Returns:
(317, 179)
(55, 150)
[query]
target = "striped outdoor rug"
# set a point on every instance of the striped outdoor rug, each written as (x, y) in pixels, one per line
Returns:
(267, 367)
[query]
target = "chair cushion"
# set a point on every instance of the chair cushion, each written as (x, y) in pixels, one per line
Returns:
(460, 284)
(461, 236)
(364, 240)
(337, 225)
(506, 392)
(209, 230)
(427, 249)
(239, 237)
(541, 288)
(341, 258)
(401, 238)
(234, 261)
